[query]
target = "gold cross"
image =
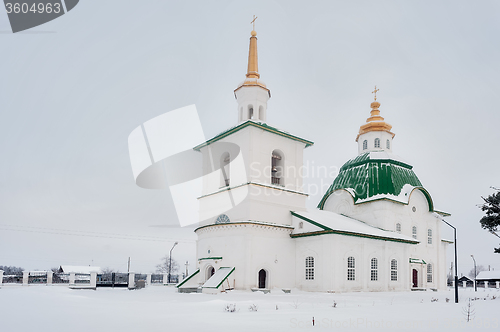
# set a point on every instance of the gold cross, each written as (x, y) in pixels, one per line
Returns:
(375, 92)
(253, 22)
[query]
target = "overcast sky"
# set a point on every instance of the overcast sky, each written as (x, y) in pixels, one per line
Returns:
(72, 90)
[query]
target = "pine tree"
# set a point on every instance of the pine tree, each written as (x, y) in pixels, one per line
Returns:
(491, 221)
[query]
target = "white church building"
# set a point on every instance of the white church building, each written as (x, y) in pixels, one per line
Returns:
(375, 229)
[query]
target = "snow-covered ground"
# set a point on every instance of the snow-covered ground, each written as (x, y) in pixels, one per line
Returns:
(159, 308)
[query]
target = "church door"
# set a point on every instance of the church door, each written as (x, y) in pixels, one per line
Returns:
(210, 272)
(262, 278)
(415, 278)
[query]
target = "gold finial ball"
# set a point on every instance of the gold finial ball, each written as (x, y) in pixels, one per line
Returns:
(375, 105)
(254, 33)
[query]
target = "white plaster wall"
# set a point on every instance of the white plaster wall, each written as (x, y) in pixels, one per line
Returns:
(249, 248)
(255, 96)
(331, 252)
(370, 138)
(386, 214)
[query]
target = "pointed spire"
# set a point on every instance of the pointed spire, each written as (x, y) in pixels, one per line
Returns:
(253, 63)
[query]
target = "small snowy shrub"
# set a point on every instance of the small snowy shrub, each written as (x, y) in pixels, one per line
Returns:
(230, 308)
(253, 307)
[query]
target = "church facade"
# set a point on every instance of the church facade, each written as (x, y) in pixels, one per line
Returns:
(375, 229)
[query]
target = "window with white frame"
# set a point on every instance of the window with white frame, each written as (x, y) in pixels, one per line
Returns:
(377, 142)
(374, 269)
(414, 232)
(398, 227)
(365, 144)
(388, 144)
(429, 272)
(309, 268)
(429, 236)
(351, 270)
(394, 270)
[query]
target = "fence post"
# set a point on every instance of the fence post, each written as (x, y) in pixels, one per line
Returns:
(165, 279)
(26, 277)
(1, 278)
(148, 279)
(49, 277)
(93, 280)
(72, 278)
(131, 280)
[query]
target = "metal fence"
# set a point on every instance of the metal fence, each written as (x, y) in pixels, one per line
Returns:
(82, 278)
(157, 279)
(37, 278)
(60, 278)
(13, 278)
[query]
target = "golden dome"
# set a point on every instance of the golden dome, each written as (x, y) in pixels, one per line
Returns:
(375, 122)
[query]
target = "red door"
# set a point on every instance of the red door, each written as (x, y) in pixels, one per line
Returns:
(415, 278)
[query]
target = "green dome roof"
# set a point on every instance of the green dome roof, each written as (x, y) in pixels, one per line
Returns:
(376, 175)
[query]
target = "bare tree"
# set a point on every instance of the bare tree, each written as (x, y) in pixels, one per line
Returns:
(163, 266)
(479, 268)
(11, 269)
(107, 270)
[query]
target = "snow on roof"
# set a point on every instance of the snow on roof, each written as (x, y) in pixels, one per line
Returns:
(220, 275)
(337, 223)
(80, 269)
(487, 275)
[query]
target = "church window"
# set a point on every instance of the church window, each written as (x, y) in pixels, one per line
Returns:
(429, 236)
(310, 268)
(374, 269)
(351, 270)
(224, 167)
(277, 168)
(365, 144)
(250, 111)
(394, 270)
(398, 227)
(222, 219)
(429, 272)
(388, 144)
(414, 232)
(301, 225)
(377, 142)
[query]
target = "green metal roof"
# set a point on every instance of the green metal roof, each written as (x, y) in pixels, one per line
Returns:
(369, 178)
(261, 125)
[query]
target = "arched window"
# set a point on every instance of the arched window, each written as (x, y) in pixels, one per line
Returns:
(414, 232)
(250, 111)
(310, 268)
(224, 167)
(351, 270)
(277, 168)
(377, 142)
(429, 272)
(388, 144)
(398, 227)
(301, 225)
(374, 269)
(365, 144)
(429, 236)
(394, 270)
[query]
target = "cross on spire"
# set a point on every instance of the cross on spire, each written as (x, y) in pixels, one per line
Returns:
(253, 22)
(375, 92)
